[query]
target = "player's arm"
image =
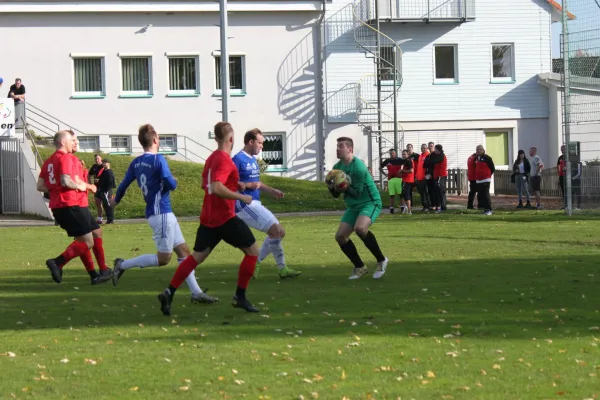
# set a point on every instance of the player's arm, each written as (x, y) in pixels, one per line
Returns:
(68, 177)
(358, 181)
(334, 192)
(41, 185)
(127, 180)
(272, 191)
(407, 167)
(169, 182)
(382, 166)
(219, 174)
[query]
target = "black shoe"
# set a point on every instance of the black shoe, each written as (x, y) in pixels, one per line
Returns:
(528, 205)
(165, 302)
(520, 205)
(55, 271)
(470, 207)
(392, 210)
(110, 222)
(243, 304)
(102, 277)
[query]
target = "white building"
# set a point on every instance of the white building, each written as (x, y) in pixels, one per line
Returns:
(467, 71)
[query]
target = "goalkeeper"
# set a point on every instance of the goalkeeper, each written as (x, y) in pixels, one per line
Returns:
(363, 206)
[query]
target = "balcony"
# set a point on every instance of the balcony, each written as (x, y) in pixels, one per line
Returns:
(419, 10)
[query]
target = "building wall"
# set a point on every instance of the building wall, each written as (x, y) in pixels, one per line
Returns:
(281, 75)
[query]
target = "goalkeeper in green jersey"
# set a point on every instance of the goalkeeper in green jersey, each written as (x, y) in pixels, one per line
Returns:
(363, 206)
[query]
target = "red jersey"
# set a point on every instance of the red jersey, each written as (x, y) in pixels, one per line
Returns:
(420, 168)
(51, 176)
(218, 168)
(408, 177)
(440, 169)
(70, 165)
(471, 167)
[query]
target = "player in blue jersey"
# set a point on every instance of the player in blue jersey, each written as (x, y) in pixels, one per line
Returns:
(255, 214)
(154, 178)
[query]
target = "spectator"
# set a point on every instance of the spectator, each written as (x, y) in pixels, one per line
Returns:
(106, 184)
(393, 165)
(17, 91)
(472, 181)
(520, 177)
(436, 167)
(536, 175)
(561, 165)
(484, 169)
(421, 179)
(93, 178)
(440, 175)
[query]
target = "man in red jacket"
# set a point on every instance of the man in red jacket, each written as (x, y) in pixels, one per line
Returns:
(472, 180)
(440, 175)
(484, 168)
(422, 180)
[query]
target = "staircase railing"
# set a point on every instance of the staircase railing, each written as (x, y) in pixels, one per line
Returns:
(45, 123)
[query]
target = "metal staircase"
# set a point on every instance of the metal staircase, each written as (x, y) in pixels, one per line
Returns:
(373, 91)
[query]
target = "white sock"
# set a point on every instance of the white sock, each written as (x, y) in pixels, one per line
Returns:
(143, 261)
(191, 280)
(265, 249)
(277, 250)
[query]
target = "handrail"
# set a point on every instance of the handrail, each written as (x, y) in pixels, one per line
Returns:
(39, 159)
(58, 121)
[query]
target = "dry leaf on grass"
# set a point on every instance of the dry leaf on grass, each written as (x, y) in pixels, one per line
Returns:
(134, 389)
(430, 374)
(184, 388)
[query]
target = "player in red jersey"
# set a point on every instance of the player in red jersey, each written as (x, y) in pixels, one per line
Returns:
(61, 177)
(218, 222)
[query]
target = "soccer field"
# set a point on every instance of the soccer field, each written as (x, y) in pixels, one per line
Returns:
(472, 307)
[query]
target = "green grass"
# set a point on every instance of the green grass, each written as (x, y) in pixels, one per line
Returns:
(300, 195)
(472, 307)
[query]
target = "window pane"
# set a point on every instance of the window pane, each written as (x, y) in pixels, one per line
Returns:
(236, 78)
(168, 143)
(88, 143)
(88, 74)
(272, 151)
(182, 73)
(502, 61)
(444, 62)
(136, 74)
(119, 143)
(496, 146)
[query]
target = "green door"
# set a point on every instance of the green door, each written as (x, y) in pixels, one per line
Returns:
(496, 146)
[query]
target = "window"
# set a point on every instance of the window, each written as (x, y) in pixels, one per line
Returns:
(503, 64)
(136, 75)
(120, 144)
(496, 146)
(446, 64)
(168, 144)
(183, 74)
(273, 152)
(88, 75)
(89, 144)
(387, 65)
(236, 73)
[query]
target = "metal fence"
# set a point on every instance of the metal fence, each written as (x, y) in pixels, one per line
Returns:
(10, 176)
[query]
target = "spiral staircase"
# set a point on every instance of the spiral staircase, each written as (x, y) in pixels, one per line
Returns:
(379, 88)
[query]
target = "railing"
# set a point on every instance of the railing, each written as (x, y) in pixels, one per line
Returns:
(420, 10)
(39, 160)
(549, 186)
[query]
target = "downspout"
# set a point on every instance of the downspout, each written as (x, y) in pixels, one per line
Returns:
(322, 111)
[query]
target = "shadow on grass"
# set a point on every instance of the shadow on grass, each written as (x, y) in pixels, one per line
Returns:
(484, 298)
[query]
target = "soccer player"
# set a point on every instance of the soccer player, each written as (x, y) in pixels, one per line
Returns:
(393, 165)
(156, 182)
(363, 206)
(61, 176)
(255, 214)
(218, 222)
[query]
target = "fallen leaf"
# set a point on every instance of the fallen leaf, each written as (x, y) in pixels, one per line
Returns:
(234, 371)
(11, 354)
(430, 374)
(314, 395)
(134, 389)
(64, 360)
(317, 377)
(184, 388)
(238, 382)
(464, 388)
(483, 372)
(90, 361)
(343, 377)
(306, 380)
(497, 366)
(167, 360)
(221, 378)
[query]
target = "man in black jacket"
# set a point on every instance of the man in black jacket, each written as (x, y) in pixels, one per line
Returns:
(435, 194)
(93, 178)
(106, 184)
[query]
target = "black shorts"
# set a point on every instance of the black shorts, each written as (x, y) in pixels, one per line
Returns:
(77, 221)
(407, 188)
(536, 183)
(234, 232)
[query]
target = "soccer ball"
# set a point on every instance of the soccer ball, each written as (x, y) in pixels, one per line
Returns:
(337, 180)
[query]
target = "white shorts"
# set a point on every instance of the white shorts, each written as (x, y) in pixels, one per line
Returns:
(255, 215)
(166, 232)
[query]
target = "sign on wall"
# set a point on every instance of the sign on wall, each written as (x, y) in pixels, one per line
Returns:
(7, 117)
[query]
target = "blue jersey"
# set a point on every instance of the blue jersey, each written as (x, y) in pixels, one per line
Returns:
(249, 171)
(154, 178)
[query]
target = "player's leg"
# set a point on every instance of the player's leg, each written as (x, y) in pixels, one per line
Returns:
(98, 249)
(108, 210)
(367, 216)
(206, 240)
(342, 236)
(407, 196)
(98, 202)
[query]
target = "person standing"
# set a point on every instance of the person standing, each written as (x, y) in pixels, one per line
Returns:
(408, 181)
(93, 178)
(393, 165)
(521, 170)
(471, 162)
(484, 169)
(536, 176)
(421, 179)
(106, 184)
(561, 165)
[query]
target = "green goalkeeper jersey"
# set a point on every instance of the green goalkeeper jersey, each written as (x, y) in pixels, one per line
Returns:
(362, 183)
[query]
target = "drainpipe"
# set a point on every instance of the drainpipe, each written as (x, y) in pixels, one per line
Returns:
(320, 139)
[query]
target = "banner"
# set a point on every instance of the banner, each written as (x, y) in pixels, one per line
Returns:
(7, 117)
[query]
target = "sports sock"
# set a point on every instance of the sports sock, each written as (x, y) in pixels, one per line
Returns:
(75, 249)
(350, 251)
(88, 261)
(143, 261)
(191, 280)
(183, 271)
(371, 242)
(245, 272)
(99, 254)
(277, 250)
(265, 249)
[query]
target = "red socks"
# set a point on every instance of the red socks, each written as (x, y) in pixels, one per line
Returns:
(88, 262)
(99, 254)
(75, 249)
(183, 270)
(246, 270)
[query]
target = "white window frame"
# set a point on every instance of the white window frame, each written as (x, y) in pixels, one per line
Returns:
(102, 57)
(446, 81)
(136, 93)
(196, 57)
(169, 149)
(126, 149)
(283, 167)
(234, 92)
(84, 138)
(507, 79)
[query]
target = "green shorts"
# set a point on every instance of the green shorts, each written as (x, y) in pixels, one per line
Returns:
(395, 186)
(371, 210)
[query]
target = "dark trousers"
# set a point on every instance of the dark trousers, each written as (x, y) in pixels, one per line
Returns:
(434, 193)
(422, 188)
(483, 196)
(576, 192)
(108, 210)
(561, 183)
(472, 193)
(441, 187)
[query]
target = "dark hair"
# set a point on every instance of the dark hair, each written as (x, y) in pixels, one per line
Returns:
(146, 134)
(222, 130)
(97, 155)
(439, 147)
(252, 134)
(520, 152)
(18, 80)
(430, 143)
(347, 140)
